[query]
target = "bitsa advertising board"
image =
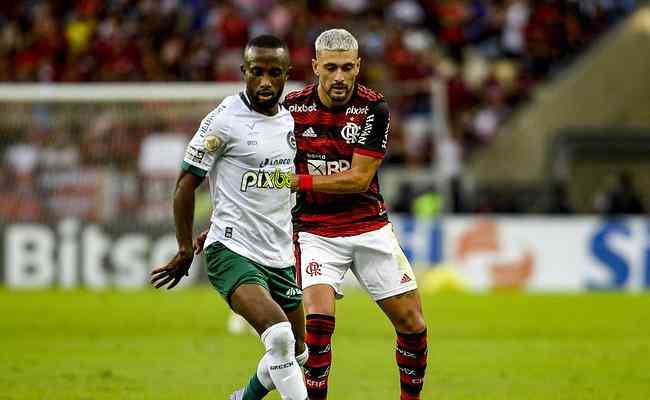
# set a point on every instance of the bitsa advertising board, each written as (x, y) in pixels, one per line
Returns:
(74, 254)
(537, 254)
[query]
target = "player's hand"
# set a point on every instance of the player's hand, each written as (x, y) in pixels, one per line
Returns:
(172, 272)
(199, 242)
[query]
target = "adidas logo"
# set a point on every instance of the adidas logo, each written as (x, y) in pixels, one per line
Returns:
(325, 350)
(405, 278)
(293, 292)
(309, 133)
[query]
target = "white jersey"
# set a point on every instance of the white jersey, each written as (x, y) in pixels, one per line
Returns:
(248, 158)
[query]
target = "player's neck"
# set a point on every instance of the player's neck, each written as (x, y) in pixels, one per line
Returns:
(327, 101)
(268, 112)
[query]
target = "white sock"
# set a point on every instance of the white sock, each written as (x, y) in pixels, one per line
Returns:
(263, 368)
(282, 365)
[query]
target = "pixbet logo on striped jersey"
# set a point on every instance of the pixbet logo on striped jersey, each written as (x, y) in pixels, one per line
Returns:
(302, 108)
(352, 110)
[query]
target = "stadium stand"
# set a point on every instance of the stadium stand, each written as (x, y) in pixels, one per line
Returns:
(491, 54)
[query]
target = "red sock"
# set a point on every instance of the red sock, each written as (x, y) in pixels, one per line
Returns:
(411, 357)
(317, 369)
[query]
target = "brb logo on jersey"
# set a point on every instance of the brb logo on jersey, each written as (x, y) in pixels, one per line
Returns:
(324, 167)
(350, 132)
(265, 180)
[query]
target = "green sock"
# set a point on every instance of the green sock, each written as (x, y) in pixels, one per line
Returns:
(255, 390)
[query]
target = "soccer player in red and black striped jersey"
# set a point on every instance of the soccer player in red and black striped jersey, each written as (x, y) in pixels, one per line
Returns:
(340, 222)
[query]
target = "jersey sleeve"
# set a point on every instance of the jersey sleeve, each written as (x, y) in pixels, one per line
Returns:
(208, 143)
(374, 136)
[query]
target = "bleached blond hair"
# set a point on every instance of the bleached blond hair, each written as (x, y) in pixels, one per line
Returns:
(336, 40)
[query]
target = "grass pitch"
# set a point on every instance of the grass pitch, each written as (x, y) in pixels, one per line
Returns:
(173, 345)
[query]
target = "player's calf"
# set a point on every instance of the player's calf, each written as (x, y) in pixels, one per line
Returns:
(411, 355)
(405, 312)
(261, 383)
(318, 339)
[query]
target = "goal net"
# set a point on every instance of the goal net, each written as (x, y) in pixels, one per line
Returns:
(97, 152)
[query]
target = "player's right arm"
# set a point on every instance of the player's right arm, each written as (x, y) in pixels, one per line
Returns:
(172, 272)
(209, 143)
(186, 186)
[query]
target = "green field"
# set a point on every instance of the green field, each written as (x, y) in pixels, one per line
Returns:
(173, 345)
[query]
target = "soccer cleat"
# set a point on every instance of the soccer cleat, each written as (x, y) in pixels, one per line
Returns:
(238, 395)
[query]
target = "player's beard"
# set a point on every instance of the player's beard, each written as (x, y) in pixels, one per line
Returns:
(269, 103)
(332, 92)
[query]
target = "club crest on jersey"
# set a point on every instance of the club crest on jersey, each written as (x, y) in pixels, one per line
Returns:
(350, 132)
(313, 269)
(291, 140)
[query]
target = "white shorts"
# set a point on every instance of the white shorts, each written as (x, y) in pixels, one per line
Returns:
(375, 258)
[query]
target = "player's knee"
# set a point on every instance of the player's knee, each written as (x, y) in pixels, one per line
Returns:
(410, 321)
(319, 299)
(279, 341)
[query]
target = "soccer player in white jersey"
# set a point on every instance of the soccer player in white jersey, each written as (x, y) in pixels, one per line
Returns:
(246, 148)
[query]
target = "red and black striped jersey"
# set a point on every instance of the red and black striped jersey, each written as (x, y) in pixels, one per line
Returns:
(326, 139)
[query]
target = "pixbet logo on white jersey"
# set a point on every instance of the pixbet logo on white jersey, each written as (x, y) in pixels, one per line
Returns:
(324, 167)
(262, 179)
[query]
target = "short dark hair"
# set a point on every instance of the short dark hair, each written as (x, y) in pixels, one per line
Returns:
(266, 42)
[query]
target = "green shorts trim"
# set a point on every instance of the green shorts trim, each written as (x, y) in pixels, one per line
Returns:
(228, 270)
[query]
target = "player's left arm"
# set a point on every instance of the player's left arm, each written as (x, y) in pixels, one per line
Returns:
(366, 159)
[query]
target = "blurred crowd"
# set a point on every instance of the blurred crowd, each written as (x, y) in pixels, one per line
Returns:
(490, 54)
